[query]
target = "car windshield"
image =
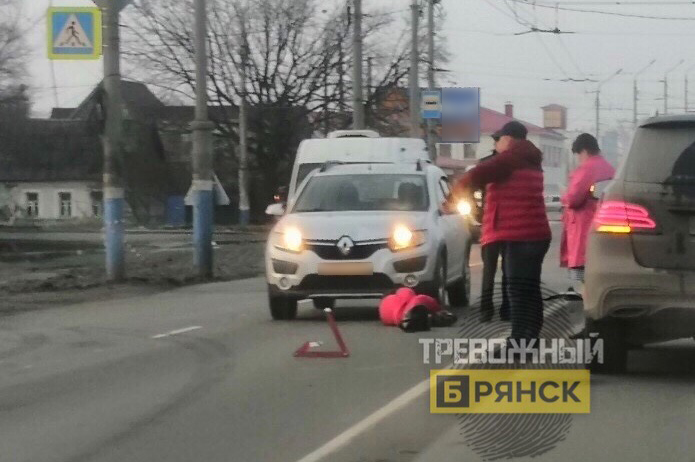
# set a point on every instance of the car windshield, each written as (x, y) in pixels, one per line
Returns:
(369, 192)
(663, 155)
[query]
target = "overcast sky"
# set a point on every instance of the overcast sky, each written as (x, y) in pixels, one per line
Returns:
(486, 53)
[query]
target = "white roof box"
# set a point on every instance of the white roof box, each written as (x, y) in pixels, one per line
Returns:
(353, 134)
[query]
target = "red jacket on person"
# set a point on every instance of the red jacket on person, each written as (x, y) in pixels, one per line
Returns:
(394, 307)
(514, 204)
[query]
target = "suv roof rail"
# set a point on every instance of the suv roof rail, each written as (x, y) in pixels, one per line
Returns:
(353, 134)
(328, 164)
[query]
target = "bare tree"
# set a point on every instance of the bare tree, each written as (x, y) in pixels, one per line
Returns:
(298, 62)
(13, 58)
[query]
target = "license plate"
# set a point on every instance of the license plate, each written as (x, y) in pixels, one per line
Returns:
(346, 269)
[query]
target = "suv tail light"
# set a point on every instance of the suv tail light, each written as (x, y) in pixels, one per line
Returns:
(622, 218)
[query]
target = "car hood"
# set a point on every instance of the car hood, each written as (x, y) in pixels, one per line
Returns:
(359, 226)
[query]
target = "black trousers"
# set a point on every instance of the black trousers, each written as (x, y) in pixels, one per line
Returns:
(523, 263)
(490, 254)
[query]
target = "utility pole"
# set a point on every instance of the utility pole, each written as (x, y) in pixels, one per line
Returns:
(431, 84)
(635, 93)
(368, 97)
(113, 189)
(685, 89)
(598, 101)
(244, 209)
(414, 72)
(202, 152)
(357, 92)
(666, 84)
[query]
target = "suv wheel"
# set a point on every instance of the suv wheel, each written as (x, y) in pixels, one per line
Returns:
(282, 308)
(615, 348)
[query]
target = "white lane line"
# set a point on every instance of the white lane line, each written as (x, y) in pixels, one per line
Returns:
(396, 404)
(360, 427)
(177, 332)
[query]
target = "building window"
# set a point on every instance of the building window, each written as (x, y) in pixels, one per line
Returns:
(32, 200)
(469, 151)
(445, 150)
(65, 200)
(97, 203)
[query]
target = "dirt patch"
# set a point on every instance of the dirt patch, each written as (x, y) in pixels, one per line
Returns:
(61, 274)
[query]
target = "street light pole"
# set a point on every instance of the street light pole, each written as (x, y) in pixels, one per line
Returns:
(431, 148)
(244, 209)
(113, 188)
(414, 72)
(202, 185)
(598, 101)
(635, 92)
(666, 84)
(685, 89)
(357, 92)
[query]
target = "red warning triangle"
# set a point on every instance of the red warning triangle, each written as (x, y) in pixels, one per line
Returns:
(305, 351)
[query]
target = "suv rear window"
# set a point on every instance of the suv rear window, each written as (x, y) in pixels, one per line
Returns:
(662, 155)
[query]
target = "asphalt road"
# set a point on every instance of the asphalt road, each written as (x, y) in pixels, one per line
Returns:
(203, 374)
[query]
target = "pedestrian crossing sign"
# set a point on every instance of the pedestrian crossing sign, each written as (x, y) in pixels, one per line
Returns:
(74, 33)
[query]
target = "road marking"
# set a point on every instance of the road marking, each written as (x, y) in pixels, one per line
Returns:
(177, 332)
(382, 413)
(360, 427)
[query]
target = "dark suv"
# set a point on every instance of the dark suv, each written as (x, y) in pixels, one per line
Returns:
(640, 273)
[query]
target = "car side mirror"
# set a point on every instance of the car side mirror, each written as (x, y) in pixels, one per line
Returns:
(597, 189)
(276, 210)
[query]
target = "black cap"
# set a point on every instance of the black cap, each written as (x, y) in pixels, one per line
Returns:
(514, 129)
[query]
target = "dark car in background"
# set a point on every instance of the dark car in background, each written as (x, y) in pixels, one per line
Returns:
(640, 274)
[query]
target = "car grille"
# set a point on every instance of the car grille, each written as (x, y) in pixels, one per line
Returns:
(376, 282)
(358, 252)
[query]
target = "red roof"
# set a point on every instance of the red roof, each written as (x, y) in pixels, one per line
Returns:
(491, 121)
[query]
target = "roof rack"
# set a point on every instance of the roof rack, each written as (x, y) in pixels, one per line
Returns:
(420, 162)
(330, 163)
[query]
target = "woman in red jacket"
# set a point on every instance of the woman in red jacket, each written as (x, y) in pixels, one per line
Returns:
(580, 205)
(514, 216)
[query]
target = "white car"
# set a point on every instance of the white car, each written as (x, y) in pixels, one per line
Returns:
(362, 231)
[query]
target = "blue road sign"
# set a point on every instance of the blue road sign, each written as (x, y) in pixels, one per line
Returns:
(431, 101)
(74, 33)
(461, 115)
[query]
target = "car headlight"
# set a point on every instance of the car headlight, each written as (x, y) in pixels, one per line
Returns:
(464, 207)
(290, 239)
(403, 238)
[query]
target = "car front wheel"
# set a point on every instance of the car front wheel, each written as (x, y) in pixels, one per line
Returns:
(460, 291)
(282, 307)
(437, 288)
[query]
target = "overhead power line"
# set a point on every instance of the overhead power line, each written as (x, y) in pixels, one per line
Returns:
(603, 12)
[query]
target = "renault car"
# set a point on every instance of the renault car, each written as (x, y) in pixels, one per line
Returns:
(359, 231)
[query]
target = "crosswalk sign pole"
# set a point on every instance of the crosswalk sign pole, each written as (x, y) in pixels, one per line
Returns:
(114, 192)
